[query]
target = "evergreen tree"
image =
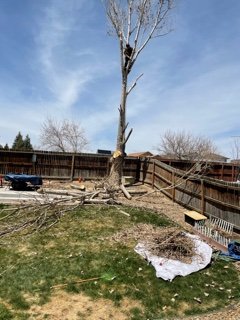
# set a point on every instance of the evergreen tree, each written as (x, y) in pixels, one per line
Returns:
(6, 147)
(18, 143)
(22, 144)
(27, 143)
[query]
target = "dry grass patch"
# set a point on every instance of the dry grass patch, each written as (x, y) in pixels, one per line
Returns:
(79, 306)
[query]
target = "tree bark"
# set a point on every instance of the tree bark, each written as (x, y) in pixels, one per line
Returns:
(134, 22)
(116, 171)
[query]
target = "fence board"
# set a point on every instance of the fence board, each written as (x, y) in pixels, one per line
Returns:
(203, 194)
(56, 165)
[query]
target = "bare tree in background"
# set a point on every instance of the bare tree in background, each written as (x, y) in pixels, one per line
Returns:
(236, 148)
(134, 23)
(185, 146)
(65, 136)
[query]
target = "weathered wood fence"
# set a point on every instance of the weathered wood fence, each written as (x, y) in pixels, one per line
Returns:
(217, 170)
(203, 194)
(53, 165)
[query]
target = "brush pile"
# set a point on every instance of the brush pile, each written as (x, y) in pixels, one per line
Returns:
(46, 209)
(170, 243)
(173, 245)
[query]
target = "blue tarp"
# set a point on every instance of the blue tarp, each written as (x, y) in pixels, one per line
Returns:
(233, 250)
(15, 178)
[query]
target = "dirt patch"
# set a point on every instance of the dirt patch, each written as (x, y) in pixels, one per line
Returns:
(66, 185)
(65, 306)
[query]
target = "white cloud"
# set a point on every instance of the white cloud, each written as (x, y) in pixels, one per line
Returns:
(67, 69)
(55, 29)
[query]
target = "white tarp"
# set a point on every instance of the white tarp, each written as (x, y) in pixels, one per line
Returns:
(168, 269)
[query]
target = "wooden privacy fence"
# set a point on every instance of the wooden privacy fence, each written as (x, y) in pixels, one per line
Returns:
(203, 194)
(217, 170)
(53, 165)
(206, 195)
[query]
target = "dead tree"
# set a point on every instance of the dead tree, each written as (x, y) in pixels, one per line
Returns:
(184, 145)
(134, 23)
(64, 136)
(236, 148)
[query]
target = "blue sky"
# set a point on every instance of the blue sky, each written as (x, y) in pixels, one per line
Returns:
(56, 60)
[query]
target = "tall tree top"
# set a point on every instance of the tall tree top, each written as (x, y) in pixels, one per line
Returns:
(22, 144)
(18, 143)
(135, 22)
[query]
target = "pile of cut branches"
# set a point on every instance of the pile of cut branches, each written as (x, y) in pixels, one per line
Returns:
(170, 243)
(174, 245)
(30, 217)
(46, 209)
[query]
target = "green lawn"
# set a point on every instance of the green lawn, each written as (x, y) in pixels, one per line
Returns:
(79, 247)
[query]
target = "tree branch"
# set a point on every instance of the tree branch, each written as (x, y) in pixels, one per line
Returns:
(130, 2)
(134, 84)
(157, 22)
(128, 136)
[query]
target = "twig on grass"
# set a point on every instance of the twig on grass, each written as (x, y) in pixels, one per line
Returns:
(75, 282)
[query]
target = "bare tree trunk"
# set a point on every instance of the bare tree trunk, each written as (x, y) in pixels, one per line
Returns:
(135, 23)
(116, 171)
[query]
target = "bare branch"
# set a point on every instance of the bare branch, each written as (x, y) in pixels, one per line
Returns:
(130, 2)
(44, 213)
(236, 148)
(134, 84)
(141, 10)
(185, 146)
(128, 136)
(62, 136)
(159, 22)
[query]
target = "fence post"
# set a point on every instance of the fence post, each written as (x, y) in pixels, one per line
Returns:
(173, 186)
(222, 171)
(72, 167)
(202, 197)
(153, 174)
(108, 165)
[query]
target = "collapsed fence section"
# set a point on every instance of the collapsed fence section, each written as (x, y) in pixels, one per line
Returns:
(208, 196)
